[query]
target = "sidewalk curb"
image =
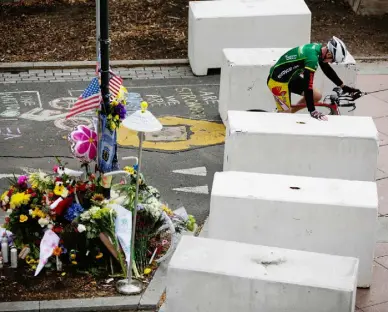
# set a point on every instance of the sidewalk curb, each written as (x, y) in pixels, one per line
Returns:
(19, 66)
(148, 301)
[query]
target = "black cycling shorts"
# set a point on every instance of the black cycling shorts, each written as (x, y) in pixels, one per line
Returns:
(296, 85)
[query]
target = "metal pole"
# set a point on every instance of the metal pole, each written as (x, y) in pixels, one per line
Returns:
(141, 137)
(131, 286)
(97, 27)
(104, 30)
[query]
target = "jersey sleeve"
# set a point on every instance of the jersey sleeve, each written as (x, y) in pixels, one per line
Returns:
(311, 62)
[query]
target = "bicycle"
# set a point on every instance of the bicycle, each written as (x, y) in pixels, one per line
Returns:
(331, 102)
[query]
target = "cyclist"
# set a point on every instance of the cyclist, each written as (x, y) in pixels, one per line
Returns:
(286, 75)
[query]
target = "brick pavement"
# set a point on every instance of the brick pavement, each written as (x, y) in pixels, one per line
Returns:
(84, 74)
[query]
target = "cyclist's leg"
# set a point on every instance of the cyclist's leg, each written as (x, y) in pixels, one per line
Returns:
(296, 86)
(281, 95)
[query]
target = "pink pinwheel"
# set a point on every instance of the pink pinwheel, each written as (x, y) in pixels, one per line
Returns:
(85, 141)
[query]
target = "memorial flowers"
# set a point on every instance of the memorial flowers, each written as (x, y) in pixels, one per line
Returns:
(75, 210)
(117, 109)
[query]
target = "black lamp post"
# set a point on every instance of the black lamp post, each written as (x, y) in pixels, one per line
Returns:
(104, 43)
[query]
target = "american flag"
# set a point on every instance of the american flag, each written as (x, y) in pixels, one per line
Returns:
(115, 81)
(89, 99)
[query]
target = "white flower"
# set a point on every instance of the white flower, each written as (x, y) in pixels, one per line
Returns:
(9, 211)
(6, 200)
(50, 226)
(30, 212)
(85, 216)
(43, 222)
(81, 228)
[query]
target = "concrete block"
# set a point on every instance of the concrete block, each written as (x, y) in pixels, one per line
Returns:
(331, 216)
(214, 275)
(215, 25)
(243, 81)
(344, 147)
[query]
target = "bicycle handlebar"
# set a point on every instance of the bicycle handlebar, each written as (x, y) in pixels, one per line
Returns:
(341, 97)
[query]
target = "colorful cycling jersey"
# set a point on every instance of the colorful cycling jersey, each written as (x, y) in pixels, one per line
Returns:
(295, 61)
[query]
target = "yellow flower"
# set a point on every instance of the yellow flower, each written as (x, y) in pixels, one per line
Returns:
(33, 267)
(109, 116)
(58, 189)
(34, 185)
(147, 271)
(38, 213)
(112, 125)
(99, 256)
(23, 218)
(130, 170)
(41, 214)
(19, 199)
(117, 117)
(72, 256)
(98, 197)
(74, 262)
(167, 210)
(3, 195)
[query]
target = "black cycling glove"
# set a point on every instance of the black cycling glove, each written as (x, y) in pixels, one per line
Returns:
(318, 115)
(348, 89)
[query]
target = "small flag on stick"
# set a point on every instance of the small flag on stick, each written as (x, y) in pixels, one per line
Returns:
(89, 99)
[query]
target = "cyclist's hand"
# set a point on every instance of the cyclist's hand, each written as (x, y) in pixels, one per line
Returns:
(348, 89)
(318, 115)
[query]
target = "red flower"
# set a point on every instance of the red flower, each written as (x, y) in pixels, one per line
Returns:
(10, 193)
(58, 229)
(63, 205)
(7, 219)
(81, 187)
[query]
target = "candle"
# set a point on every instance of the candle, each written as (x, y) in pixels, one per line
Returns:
(14, 258)
(4, 248)
(59, 264)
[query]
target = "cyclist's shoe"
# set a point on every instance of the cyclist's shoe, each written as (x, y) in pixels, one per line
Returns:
(318, 115)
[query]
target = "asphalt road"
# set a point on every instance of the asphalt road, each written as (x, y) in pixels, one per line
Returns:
(33, 129)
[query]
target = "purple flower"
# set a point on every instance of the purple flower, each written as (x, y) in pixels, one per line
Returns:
(120, 110)
(64, 250)
(22, 180)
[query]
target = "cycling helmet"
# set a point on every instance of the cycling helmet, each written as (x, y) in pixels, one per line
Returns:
(337, 49)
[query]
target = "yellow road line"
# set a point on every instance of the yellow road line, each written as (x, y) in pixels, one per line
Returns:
(201, 133)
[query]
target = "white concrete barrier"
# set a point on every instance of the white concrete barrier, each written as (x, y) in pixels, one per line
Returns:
(215, 25)
(331, 216)
(243, 82)
(344, 147)
(214, 275)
